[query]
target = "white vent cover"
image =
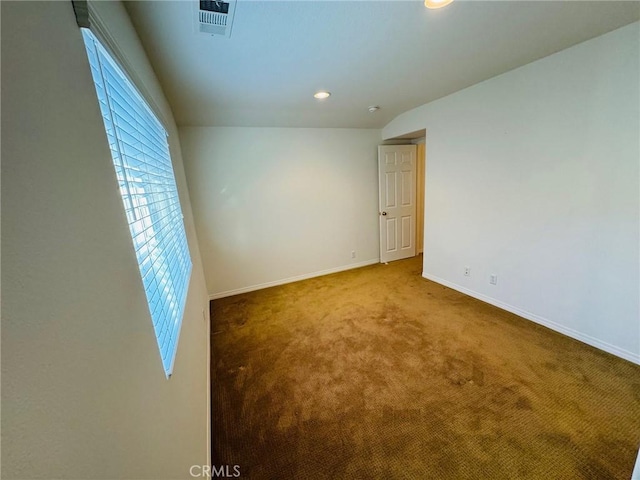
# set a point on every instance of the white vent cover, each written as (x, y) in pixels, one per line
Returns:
(215, 17)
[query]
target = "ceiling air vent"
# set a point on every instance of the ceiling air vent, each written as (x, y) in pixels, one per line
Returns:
(215, 17)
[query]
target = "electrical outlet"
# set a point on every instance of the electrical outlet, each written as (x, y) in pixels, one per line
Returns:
(493, 279)
(353, 254)
(467, 271)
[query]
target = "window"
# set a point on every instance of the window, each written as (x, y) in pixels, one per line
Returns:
(144, 171)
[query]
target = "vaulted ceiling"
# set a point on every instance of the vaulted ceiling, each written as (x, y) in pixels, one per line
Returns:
(395, 54)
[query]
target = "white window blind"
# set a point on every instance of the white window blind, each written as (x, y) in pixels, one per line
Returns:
(147, 184)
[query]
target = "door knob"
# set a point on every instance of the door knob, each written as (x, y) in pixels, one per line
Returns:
(383, 213)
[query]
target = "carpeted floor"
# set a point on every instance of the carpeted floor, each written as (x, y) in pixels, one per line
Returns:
(377, 373)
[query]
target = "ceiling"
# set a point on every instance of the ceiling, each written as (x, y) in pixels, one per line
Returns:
(395, 54)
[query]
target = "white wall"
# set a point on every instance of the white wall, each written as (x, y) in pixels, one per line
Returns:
(278, 204)
(84, 394)
(533, 175)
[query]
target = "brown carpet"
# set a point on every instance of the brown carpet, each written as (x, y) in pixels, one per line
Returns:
(377, 373)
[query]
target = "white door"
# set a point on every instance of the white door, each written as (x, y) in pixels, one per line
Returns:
(397, 179)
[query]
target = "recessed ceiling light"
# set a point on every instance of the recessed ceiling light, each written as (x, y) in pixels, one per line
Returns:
(436, 3)
(322, 95)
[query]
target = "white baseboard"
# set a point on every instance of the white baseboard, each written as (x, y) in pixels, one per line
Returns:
(589, 340)
(635, 475)
(306, 276)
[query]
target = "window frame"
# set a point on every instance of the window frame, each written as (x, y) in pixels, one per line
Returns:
(120, 67)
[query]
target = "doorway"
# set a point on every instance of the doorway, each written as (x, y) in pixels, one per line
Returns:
(401, 175)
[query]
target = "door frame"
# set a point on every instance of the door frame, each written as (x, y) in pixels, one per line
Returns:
(421, 160)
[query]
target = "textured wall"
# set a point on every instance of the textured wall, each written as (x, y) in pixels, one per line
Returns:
(533, 176)
(84, 393)
(274, 204)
